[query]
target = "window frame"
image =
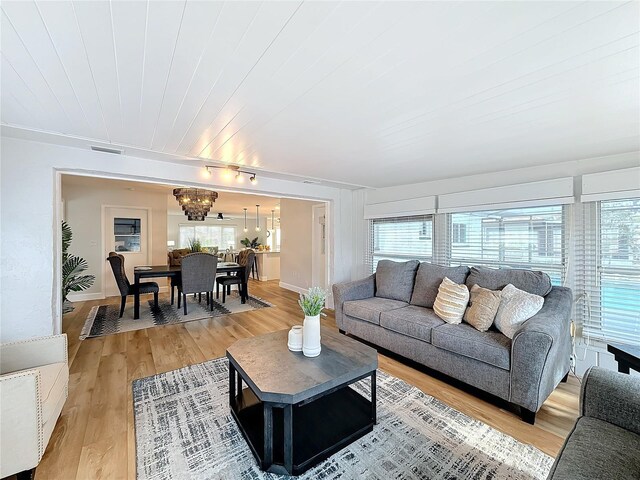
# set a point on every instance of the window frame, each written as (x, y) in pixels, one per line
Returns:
(374, 238)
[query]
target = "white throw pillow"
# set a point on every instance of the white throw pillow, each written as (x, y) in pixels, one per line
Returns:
(516, 307)
(451, 301)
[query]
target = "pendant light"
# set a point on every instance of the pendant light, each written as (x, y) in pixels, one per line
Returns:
(257, 218)
(272, 222)
(245, 221)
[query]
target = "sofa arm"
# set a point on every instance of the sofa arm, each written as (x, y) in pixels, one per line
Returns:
(21, 442)
(34, 352)
(540, 351)
(611, 397)
(357, 290)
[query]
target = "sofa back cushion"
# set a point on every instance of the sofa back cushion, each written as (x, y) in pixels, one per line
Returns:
(530, 281)
(428, 279)
(394, 280)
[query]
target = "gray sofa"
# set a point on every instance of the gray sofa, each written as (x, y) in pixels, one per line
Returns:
(393, 309)
(605, 441)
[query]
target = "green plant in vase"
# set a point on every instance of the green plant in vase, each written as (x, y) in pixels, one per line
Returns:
(72, 269)
(195, 245)
(251, 243)
(312, 304)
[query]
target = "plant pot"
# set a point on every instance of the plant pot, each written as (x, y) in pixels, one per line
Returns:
(311, 336)
(67, 307)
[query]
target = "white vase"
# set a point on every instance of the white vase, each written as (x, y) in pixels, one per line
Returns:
(311, 336)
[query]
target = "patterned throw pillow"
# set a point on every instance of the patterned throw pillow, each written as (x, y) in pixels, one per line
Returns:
(451, 301)
(483, 306)
(517, 307)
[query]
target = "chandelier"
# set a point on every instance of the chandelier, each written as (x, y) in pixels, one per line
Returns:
(195, 202)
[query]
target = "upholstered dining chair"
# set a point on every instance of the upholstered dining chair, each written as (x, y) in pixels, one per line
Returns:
(245, 259)
(34, 384)
(198, 276)
(117, 265)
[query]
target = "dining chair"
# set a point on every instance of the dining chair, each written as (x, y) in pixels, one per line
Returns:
(245, 260)
(117, 265)
(198, 276)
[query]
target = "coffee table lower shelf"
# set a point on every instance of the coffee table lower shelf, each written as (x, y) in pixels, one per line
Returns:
(319, 428)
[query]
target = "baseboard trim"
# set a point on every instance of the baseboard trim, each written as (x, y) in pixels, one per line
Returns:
(293, 288)
(84, 297)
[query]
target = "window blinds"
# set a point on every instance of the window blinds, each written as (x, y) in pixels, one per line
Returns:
(608, 273)
(209, 236)
(400, 239)
(531, 237)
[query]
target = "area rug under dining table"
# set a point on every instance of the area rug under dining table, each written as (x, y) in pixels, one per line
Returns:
(184, 430)
(103, 319)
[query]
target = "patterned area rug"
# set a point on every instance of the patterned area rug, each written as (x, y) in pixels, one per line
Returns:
(103, 319)
(184, 430)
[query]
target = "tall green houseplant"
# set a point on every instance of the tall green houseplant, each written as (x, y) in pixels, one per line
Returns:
(72, 269)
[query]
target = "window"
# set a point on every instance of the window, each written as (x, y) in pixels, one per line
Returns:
(458, 233)
(209, 236)
(610, 277)
(400, 239)
(517, 237)
(126, 232)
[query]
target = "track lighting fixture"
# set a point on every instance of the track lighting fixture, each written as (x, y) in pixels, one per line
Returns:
(229, 171)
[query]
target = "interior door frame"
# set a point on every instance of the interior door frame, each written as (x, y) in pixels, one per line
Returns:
(314, 241)
(103, 245)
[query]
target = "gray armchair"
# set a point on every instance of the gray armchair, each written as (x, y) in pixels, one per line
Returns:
(198, 276)
(605, 441)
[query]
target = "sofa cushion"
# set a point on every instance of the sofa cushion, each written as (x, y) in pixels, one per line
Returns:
(483, 306)
(412, 321)
(489, 347)
(451, 301)
(530, 281)
(369, 309)
(516, 307)
(429, 277)
(394, 280)
(597, 449)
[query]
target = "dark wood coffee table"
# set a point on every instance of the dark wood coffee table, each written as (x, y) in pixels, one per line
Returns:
(297, 411)
(627, 356)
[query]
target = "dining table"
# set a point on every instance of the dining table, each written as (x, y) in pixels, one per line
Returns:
(155, 271)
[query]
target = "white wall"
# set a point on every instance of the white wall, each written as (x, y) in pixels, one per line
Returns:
(30, 221)
(295, 246)
(83, 212)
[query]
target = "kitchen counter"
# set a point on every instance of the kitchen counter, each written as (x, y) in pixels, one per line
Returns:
(268, 265)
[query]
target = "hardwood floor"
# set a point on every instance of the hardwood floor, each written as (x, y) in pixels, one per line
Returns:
(94, 437)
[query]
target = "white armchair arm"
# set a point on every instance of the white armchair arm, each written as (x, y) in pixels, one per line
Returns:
(21, 418)
(31, 353)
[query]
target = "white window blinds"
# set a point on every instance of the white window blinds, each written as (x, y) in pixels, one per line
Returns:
(400, 239)
(531, 237)
(209, 236)
(608, 277)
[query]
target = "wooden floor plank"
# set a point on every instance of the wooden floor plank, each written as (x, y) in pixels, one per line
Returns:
(95, 438)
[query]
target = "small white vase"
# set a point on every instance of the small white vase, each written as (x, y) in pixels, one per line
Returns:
(311, 336)
(295, 338)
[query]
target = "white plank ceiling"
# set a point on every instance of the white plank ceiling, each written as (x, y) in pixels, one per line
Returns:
(364, 93)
